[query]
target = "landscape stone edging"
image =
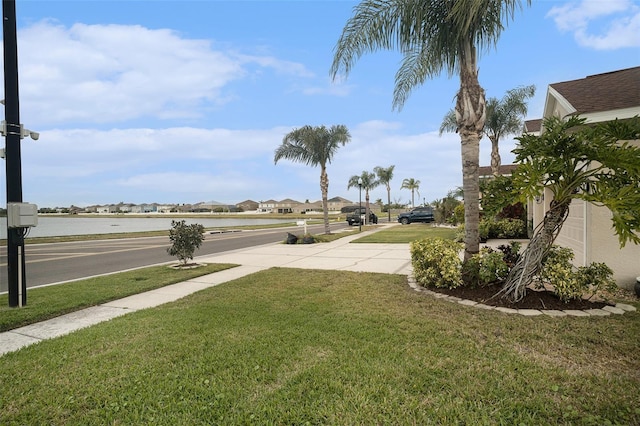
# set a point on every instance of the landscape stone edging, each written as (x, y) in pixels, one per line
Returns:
(618, 309)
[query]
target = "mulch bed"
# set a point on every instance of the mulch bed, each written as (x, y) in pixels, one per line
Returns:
(542, 299)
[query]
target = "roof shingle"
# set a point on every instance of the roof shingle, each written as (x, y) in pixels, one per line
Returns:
(602, 92)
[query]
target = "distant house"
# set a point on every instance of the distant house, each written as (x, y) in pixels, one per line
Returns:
(247, 206)
(337, 203)
(149, 208)
(292, 206)
(308, 207)
(211, 206)
(183, 208)
(588, 230)
(105, 209)
(286, 206)
(267, 206)
(165, 208)
(124, 208)
(533, 127)
(505, 170)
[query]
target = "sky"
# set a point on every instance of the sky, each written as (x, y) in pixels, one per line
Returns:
(186, 101)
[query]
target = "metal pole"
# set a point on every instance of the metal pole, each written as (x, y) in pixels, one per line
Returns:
(360, 207)
(15, 239)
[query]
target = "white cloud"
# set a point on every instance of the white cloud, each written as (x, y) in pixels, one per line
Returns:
(333, 88)
(112, 73)
(185, 182)
(86, 152)
(280, 66)
(598, 24)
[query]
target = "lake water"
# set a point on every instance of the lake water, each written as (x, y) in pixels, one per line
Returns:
(51, 226)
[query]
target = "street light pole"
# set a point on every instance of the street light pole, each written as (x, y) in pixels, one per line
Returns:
(15, 241)
(360, 204)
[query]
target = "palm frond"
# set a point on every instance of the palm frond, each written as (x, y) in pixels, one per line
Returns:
(449, 122)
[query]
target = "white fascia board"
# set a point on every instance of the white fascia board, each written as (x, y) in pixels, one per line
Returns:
(559, 99)
(621, 114)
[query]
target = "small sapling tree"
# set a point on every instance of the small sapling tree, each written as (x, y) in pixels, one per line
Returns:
(185, 239)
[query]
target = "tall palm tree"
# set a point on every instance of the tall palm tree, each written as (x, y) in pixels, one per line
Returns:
(314, 146)
(504, 117)
(369, 182)
(412, 185)
(384, 177)
(434, 35)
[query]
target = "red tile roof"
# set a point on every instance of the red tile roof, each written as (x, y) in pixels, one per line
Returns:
(602, 92)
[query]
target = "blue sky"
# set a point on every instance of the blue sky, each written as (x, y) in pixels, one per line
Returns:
(186, 101)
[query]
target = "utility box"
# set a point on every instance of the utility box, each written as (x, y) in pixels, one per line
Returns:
(22, 215)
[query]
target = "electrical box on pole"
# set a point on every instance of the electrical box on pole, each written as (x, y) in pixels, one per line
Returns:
(22, 215)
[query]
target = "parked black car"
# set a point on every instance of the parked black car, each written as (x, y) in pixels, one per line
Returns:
(419, 214)
(354, 217)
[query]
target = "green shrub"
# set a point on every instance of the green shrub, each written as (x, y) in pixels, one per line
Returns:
(596, 277)
(510, 253)
(484, 229)
(571, 283)
(185, 239)
(493, 268)
(471, 272)
(511, 228)
(503, 229)
(485, 268)
(436, 262)
(459, 237)
(458, 214)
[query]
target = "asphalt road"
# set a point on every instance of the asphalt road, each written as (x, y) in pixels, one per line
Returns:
(59, 262)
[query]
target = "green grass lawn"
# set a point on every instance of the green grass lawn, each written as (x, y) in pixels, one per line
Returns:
(288, 346)
(51, 301)
(408, 233)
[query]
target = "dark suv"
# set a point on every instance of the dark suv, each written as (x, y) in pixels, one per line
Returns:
(353, 218)
(419, 214)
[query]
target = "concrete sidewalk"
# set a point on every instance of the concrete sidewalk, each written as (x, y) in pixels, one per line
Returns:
(336, 255)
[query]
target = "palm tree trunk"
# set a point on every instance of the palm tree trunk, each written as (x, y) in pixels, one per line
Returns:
(530, 262)
(470, 159)
(495, 156)
(389, 202)
(324, 188)
(470, 116)
(366, 205)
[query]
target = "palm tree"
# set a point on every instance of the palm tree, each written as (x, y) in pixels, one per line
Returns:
(504, 117)
(434, 35)
(314, 146)
(384, 177)
(368, 182)
(412, 185)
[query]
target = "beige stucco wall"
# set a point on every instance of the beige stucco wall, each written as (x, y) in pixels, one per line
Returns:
(589, 233)
(604, 247)
(572, 234)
